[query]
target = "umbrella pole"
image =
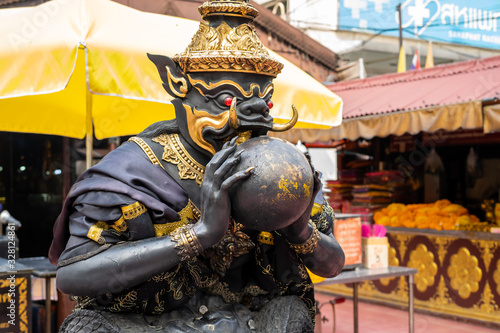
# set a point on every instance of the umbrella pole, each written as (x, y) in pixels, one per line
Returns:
(89, 131)
(88, 152)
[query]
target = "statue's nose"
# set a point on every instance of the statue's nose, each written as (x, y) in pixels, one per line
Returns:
(254, 106)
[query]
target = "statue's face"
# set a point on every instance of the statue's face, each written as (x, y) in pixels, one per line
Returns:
(208, 121)
(218, 106)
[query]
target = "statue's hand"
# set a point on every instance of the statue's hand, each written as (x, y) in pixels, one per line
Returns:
(215, 202)
(299, 231)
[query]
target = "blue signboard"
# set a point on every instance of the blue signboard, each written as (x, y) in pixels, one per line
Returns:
(473, 23)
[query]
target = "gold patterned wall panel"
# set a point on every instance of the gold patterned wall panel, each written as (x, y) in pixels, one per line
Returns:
(459, 275)
(465, 273)
(421, 253)
(494, 278)
(423, 260)
(15, 303)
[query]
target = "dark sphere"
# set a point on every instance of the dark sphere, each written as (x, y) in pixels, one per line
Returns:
(280, 188)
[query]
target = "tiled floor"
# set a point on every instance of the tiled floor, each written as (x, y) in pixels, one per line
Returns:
(381, 319)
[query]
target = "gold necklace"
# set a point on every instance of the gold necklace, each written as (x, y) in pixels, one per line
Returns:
(174, 152)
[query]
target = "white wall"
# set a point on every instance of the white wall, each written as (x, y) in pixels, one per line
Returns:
(324, 160)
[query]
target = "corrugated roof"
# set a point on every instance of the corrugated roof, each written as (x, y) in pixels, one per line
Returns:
(446, 84)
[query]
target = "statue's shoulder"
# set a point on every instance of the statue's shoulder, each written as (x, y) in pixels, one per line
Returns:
(150, 147)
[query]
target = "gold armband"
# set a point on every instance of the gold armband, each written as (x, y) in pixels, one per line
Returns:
(310, 244)
(265, 237)
(187, 243)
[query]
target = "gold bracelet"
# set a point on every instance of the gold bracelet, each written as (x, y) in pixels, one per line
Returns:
(187, 243)
(310, 244)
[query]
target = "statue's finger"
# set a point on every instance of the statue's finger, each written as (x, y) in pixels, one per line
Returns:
(228, 164)
(238, 176)
(219, 158)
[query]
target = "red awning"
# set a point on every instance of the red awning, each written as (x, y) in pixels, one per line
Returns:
(454, 83)
(446, 97)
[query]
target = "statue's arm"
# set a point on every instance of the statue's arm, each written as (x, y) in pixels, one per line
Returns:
(325, 258)
(117, 268)
(127, 264)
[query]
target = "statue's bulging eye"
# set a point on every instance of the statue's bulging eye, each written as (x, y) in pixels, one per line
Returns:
(270, 104)
(223, 100)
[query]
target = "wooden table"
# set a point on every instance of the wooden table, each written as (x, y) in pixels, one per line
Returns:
(361, 274)
(42, 268)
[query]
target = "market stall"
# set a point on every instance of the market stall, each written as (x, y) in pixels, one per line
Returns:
(458, 273)
(435, 131)
(463, 95)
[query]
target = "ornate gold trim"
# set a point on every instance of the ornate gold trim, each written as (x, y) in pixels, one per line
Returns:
(487, 302)
(120, 224)
(310, 244)
(442, 243)
(126, 302)
(228, 8)
(187, 244)
(402, 240)
(324, 219)
(95, 232)
(464, 273)
(243, 137)
(199, 120)
(222, 289)
(316, 209)
(129, 212)
(487, 249)
(196, 211)
(175, 153)
(167, 228)
(227, 49)
(442, 296)
(183, 88)
(423, 260)
(265, 237)
(190, 212)
(133, 210)
(22, 283)
(496, 276)
(233, 244)
(147, 150)
(210, 86)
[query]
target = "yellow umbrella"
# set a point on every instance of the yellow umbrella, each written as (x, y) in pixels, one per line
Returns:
(71, 67)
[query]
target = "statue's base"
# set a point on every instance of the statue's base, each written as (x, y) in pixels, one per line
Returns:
(282, 315)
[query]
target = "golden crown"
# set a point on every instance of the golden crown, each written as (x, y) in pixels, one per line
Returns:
(219, 46)
(228, 8)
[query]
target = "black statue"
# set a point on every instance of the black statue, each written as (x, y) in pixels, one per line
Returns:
(148, 239)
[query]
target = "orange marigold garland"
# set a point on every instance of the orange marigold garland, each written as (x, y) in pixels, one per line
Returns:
(440, 215)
